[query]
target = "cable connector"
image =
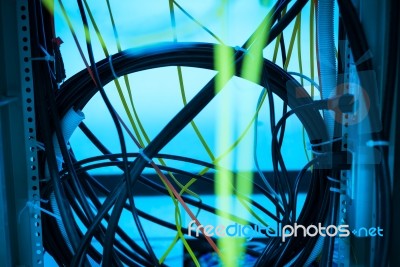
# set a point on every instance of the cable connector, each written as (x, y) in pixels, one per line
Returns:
(58, 61)
(343, 103)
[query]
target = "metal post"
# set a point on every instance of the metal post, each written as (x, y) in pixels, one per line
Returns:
(20, 223)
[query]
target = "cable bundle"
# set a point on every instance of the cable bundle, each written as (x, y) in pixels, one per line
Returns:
(74, 193)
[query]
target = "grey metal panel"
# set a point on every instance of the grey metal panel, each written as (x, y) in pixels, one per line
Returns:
(21, 240)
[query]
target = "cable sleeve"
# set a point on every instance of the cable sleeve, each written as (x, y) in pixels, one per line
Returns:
(327, 59)
(69, 123)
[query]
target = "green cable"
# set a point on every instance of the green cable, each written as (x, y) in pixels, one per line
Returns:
(312, 66)
(240, 137)
(194, 126)
(126, 79)
(179, 235)
(130, 96)
(250, 210)
(198, 22)
(299, 58)
(125, 105)
(312, 46)
(278, 40)
(291, 44)
(205, 145)
(179, 68)
(302, 82)
(116, 82)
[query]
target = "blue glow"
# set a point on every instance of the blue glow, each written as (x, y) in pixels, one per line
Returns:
(156, 92)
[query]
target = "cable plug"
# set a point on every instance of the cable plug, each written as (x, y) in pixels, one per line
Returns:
(58, 62)
(343, 103)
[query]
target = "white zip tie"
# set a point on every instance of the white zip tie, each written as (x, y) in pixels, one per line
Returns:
(40, 145)
(333, 180)
(33, 205)
(317, 153)
(47, 56)
(337, 190)
(374, 143)
(309, 145)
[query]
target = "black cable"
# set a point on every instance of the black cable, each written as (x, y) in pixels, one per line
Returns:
(155, 146)
(94, 198)
(273, 246)
(284, 109)
(44, 123)
(43, 82)
(274, 253)
(260, 172)
(92, 64)
(110, 232)
(151, 218)
(107, 154)
(159, 188)
(314, 134)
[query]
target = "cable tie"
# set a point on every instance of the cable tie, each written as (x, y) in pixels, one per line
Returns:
(33, 205)
(5, 100)
(310, 146)
(374, 143)
(318, 153)
(367, 55)
(112, 68)
(40, 145)
(333, 180)
(47, 56)
(337, 190)
(144, 156)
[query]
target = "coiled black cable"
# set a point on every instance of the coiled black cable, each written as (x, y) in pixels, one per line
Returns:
(183, 54)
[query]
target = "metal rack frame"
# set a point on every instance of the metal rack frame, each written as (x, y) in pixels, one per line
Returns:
(20, 221)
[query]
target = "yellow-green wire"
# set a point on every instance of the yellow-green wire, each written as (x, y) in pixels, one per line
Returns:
(193, 124)
(291, 44)
(126, 80)
(302, 82)
(124, 103)
(123, 100)
(312, 66)
(278, 40)
(202, 140)
(178, 222)
(117, 84)
(299, 58)
(246, 130)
